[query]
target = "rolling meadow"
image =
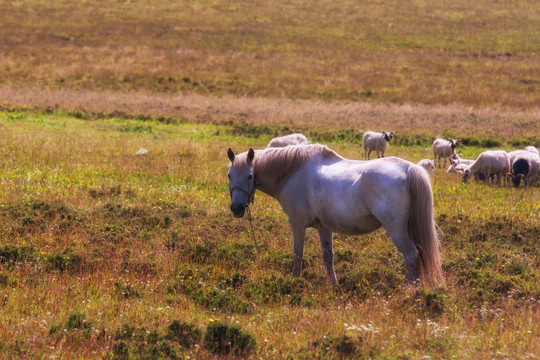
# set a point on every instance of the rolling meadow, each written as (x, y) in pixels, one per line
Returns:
(108, 254)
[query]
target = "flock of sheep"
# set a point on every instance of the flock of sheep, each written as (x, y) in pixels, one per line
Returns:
(492, 165)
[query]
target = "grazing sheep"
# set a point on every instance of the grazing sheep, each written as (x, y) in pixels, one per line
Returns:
(521, 167)
(535, 170)
(458, 165)
(427, 164)
(532, 149)
(376, 141)
(491, 162)
(292, 139)
(526, 167)
(515, 153)
(444, 149)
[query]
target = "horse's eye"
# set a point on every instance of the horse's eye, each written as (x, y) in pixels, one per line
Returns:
(250, 177)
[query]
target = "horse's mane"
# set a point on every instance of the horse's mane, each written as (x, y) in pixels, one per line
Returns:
(283, 162)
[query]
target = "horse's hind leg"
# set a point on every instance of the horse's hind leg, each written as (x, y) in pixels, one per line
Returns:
(402, 241)
(327, 246)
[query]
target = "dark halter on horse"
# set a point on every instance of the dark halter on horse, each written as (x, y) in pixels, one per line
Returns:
(251, 198)
(251, 195)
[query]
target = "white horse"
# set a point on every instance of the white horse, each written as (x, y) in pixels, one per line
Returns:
(318, 188)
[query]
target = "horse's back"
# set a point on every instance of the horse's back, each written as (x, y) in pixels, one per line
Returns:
(351, 196)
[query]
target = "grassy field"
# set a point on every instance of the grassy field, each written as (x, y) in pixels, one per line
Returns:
(106, 254)
(484, 53)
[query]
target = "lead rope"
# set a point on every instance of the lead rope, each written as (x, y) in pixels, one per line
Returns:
(250, 219)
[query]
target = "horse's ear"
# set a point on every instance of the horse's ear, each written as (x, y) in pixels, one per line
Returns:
(250, 155)
(230, 154)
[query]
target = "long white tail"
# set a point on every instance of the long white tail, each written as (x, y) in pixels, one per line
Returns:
(422, 227)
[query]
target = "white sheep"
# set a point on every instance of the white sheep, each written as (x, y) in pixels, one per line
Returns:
(491, 162)
(376, 141)
(532, 149)
(526, 167)
(427, 164)
(291, 139)
(458, 165)
(535, 170)
(515, 153)
(443, 149)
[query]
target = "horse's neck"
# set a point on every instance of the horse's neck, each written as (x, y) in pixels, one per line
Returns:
(266, 183)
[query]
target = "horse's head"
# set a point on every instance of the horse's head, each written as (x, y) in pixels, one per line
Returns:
(241, 181)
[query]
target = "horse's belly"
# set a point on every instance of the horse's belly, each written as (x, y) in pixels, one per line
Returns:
(362, 225)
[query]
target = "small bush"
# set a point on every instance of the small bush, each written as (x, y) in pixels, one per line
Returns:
(469, 141)
(490, 143)
(12, 254)
(54, 329)
(385, 281)
(76, 320)
(226, 339)
(235, 281)
(125, 333)
(432, 301)
(345, 346)
(126, 290)
(64, 262)
(4, 279)
(153, 337)
(276, 289)
(220, 299)
(183, 333)
(121, 350)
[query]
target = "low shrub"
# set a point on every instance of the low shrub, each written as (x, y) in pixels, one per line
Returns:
(226, 339)
(183, 333)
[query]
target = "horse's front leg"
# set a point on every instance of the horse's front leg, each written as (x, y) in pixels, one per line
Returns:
(327, 246)
(299, 235)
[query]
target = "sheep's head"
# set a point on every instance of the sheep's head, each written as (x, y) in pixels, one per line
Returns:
(388, 135)
(454, 143)
(516, 179)
(466, 175)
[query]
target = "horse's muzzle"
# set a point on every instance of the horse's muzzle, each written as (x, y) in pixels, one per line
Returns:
(238, 209)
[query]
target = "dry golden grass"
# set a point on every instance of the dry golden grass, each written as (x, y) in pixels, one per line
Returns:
(428, 52)
(282, 115)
